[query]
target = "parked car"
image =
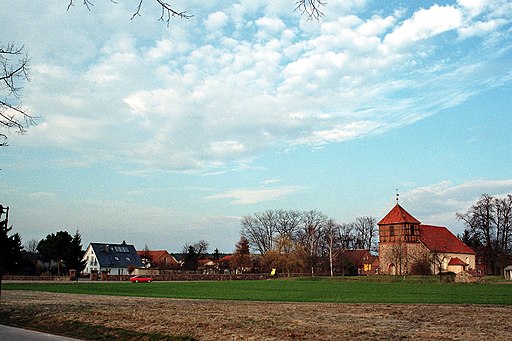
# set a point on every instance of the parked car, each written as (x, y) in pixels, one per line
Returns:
(141, 278)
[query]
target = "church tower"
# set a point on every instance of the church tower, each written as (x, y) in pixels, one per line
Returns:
(399, 231)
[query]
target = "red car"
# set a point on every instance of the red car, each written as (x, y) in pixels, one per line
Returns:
(141, 278)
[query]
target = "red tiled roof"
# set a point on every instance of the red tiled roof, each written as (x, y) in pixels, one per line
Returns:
(225, 258)
(156, 255)
(398, 215)
(457, 261)
(440, 239)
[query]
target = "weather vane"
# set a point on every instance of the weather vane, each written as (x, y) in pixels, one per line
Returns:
(397, 195)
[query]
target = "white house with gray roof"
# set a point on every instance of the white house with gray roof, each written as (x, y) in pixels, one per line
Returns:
(111, 258)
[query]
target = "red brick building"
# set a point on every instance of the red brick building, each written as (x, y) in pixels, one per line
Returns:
(405, 244)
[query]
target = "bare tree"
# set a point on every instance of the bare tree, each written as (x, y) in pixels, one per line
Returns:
(308, 8)
(31, 246)
(346, 235)
(503, 220)
(310, 236)
(287, 223)
(489, 223)
(399, 257)
(200, 248)
(13, 72)
(331, 235)
(366, 233)
(285, 257)
(260, 230)
(288, 239)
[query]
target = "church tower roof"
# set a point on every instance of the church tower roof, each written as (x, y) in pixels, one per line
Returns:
(398, 215)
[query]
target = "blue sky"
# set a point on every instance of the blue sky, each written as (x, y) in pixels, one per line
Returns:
(166, 135)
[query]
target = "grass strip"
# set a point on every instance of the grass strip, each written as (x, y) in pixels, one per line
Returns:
(390, 290)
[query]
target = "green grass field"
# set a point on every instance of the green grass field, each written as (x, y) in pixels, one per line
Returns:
(387, 289)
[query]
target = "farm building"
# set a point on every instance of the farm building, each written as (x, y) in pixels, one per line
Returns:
(407, 246)
(114, 259)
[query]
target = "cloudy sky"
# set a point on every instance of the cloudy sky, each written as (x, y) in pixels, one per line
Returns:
(165, 135)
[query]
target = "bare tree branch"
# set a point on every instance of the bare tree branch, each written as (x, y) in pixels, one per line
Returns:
(310, 8)
(13, 71)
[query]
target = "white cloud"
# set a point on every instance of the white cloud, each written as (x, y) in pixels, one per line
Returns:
(254, 196)
(225, 148)
(182, 99)
(376, 26)
(480, 28)
(424, 24)
(216, 21)
(474, 7)
(340, 133)
(438, 203)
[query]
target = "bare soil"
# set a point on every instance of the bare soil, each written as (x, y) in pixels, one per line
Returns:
(235, 320)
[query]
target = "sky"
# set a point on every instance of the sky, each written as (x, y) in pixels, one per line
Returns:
(165, 135)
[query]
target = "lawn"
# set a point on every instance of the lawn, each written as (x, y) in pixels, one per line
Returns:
(338, 290)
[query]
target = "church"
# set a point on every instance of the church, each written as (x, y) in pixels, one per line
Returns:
(406, 246)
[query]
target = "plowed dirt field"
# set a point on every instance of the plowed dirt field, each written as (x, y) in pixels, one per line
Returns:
(235, 320)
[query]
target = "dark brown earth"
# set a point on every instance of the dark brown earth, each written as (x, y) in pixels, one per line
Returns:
(234, 320)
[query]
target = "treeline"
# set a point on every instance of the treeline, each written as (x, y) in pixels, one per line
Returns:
(305, 241)
(489, 231)
(53, 255)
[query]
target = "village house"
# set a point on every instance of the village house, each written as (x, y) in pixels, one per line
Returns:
(407, 246)
(362, 260)
(158, 258)
(113, 259)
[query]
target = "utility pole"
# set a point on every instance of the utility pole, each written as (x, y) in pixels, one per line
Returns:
(4, 226)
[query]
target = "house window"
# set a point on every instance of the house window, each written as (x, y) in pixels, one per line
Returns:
(116, 258)
(391, 231)
(128, 259)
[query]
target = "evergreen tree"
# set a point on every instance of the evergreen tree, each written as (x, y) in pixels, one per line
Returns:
(191, 259)
(73, 257)
(242, 259)
(62, 248)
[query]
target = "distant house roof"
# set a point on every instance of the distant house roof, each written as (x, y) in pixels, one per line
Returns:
(457, 261)
(226, 258)
(205, 262)
(158, 256)
(398, 215)
(359, 257)
(440, 239)
(116, 255)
